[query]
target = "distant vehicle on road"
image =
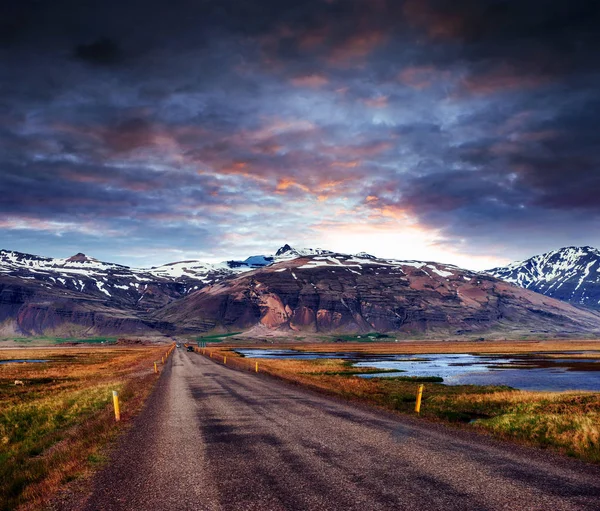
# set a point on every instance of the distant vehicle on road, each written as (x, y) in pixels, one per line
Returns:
(190, 348)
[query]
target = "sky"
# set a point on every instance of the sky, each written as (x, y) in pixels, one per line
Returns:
(147, 131)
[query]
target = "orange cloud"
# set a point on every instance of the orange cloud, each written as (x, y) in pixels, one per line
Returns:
(346, 164)
(394, 212)
(331, 184)
(286, 183)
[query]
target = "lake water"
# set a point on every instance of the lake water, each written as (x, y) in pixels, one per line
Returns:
(533, 371)
(22, 361)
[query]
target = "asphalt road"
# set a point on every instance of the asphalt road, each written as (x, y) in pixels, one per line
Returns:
(214, 438)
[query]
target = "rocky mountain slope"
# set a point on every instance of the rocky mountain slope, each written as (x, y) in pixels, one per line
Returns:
(41, 295)
(332, 292)
(312, 290)
(571, 274)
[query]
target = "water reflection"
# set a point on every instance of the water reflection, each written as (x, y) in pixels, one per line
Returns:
(533, 371)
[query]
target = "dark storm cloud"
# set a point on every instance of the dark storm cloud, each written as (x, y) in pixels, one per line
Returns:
(226, 120)
(101, 52)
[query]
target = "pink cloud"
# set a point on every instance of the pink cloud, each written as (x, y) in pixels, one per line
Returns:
(313, 81)
(502, 79)
(376, 102)
(421, 77)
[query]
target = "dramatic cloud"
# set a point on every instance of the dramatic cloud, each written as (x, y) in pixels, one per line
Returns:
(146, 131)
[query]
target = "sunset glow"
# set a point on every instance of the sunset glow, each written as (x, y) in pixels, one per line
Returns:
(463, 132)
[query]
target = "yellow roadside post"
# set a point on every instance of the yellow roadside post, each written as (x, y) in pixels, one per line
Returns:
(211, 354)
(155, 368)
(256, 367)
(116, 404)
(419, 395)
(225, 360)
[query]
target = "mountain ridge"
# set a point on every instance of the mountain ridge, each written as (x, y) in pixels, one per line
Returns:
(313, 290)
(348, 294)
(571, 274)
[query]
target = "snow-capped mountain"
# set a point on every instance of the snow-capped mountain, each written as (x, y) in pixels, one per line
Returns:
(571, 274)
(42, 294)
(86, 274)
(286, 252)
(83, 274)
(82, 295)
(312, 289)
(333, 292)
(89, 275)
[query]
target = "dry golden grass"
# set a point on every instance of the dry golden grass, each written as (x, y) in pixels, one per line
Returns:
(55, 427)
(497, 347)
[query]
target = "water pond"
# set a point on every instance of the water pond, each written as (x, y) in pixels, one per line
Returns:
(532, 371)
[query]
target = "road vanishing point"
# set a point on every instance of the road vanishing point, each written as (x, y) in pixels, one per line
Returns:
(215, 438)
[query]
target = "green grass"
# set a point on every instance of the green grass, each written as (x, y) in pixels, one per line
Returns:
(215, 337)
(372, 337)
(417, 379)
(357, 372)
(88, 340)
(54, 427)
(23, 340)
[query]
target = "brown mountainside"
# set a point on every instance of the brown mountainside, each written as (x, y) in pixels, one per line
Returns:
(342, 293)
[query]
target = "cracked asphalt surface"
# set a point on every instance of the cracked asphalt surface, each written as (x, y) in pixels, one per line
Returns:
(213, 438)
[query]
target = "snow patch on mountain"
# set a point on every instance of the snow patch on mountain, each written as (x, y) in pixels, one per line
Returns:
(571, 274)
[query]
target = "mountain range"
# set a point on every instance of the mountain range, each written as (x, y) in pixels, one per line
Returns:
(81, 295)
(303, 290)
(307, 290)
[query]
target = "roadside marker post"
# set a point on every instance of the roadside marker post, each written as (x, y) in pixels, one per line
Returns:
(419, 395)
(256, 367)
(116, 405)
(225, 360)
(155, 368)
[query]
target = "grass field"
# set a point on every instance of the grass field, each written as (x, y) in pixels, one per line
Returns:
(55, 427)
(50, 341)
(565, 421)
(423, 347)
(215, 337)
